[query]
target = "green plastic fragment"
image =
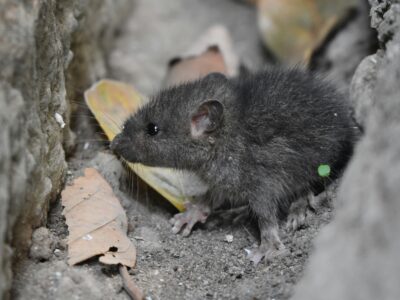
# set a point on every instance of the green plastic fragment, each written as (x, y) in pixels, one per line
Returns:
(324, 170)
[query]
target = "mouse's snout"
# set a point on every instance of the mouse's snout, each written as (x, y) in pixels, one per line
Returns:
(118, 143)
(121, 145)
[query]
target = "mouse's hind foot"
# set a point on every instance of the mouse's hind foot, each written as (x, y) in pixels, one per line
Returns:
(301, 211)
(270, 247)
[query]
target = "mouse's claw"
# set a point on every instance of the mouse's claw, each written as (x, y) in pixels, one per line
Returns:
(194, 213)
(257, 254)
(178, 223)
(296, 220)
(189, 227)
(271, 246)
(254, 255)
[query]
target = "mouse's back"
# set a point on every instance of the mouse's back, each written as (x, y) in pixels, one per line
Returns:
(298, 119)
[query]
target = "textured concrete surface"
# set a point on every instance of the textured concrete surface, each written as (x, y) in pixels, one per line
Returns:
(37, 43)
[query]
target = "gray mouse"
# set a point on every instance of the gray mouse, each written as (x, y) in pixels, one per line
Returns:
(255, 140)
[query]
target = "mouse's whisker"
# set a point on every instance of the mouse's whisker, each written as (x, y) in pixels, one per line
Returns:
(116, 123)
(134, 186)
(79, 103)
(146, 190)
(73, 88)
(137, 188)
(130, 180)
(83, 114)
(92, 141)
(107, 162)
(87, 113)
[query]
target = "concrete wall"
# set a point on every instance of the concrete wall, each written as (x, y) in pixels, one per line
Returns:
(49, 51)
(357, 255)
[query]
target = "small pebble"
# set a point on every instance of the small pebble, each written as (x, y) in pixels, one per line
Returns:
(229, 238)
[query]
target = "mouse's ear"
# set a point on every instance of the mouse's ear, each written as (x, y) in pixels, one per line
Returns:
(207, 118)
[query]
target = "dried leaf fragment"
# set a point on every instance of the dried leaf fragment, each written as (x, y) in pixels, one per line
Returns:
(96, 222)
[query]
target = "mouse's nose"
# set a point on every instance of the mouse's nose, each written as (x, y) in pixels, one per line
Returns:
(116, 143)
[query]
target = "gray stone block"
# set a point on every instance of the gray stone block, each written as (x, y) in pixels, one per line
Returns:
(38, 78)
(356, 256)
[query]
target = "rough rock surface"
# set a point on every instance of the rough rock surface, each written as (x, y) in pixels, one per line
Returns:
(344, 51)
(43, 244)
(37, 42)
(356, 255)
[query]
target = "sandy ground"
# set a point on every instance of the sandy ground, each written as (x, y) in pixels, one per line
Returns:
(204, 265)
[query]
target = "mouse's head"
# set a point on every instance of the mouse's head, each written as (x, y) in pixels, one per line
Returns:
(179, 127)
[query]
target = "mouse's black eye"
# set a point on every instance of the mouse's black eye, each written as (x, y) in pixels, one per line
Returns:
(152, 129)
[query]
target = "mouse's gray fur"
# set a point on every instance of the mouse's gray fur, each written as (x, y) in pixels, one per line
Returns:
(257, 139)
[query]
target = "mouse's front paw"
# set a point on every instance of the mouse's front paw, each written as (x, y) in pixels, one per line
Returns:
(194, 213)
